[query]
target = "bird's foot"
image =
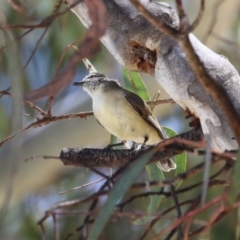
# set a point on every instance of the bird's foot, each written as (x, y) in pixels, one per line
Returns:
(111, 146)
(138, 146)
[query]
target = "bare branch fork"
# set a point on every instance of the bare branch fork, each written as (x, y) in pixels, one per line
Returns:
(60, 208)
(46, 117)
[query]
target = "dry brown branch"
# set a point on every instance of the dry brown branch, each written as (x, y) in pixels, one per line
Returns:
(229, 42)
(55, 227)
(82, 186)
(173, 228)
(186, 217)
(188, 174)
(155, 100)
(161, 101)
(35, 48)
(218, 215)
(190, 215)
(162, 215)
(45, 22)
(216, 7)
(107, 157)
(188, 142)
(54, 13)
(17, 5)
(213, 182)
(89, 47)
(45, 120)
(5, 92)
(199, 17)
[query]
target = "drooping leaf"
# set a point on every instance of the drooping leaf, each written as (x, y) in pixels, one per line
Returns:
(180, 159)
(235, 184)
(117, 192)
(154, 174)
(133, 82)
(113, 139)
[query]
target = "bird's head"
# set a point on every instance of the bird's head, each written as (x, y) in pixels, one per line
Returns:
(96, 81)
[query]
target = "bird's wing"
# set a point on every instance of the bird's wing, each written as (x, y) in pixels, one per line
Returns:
(143, 110)
(99, 123)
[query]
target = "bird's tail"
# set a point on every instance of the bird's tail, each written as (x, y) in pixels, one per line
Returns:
(167, 164)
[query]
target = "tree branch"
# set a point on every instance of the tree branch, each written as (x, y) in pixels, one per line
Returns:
(195, 77)
(107, 157)
(215, 89)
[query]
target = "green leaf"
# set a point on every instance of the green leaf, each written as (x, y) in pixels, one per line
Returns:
(133, 82)
(235, 185)
(113, 139)
(180, 159)
(15, 78)
(154, 174)
(117, 192)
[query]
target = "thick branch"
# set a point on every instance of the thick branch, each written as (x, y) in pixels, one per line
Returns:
(88, 48)
(152, 42)
(107, 157)
(214, 88)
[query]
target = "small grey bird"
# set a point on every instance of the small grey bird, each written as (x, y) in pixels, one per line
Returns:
(123, 113)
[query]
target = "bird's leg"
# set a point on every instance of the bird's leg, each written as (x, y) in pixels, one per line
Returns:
(145, 140)
(110, 146)
(134, 146)
(139, 146)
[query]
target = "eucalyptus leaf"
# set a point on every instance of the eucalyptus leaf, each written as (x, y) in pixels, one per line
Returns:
(154, 174)
(113, 139)
(133, 82)
(180, 159)
(235, 185)
(118, 190)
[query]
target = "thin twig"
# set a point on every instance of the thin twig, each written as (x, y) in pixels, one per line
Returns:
(82, 186)
(178, 209)
(45, 120)
(208, 158)
(210, 29)
(35, 48)
(50, 103)
(199, 17)
(55, 227)
(190, 215)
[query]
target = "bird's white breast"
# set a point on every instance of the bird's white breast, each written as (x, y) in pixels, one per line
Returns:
(119, 118)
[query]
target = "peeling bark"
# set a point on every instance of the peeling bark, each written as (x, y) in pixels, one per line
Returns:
(139, 46)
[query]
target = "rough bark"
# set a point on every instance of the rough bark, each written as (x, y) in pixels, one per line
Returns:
(116, 158)
(139, 46)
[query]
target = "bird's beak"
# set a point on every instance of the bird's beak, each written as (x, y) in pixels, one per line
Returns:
(79, 83)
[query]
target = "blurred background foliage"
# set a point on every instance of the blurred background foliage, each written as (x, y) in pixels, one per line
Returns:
(30, 188)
